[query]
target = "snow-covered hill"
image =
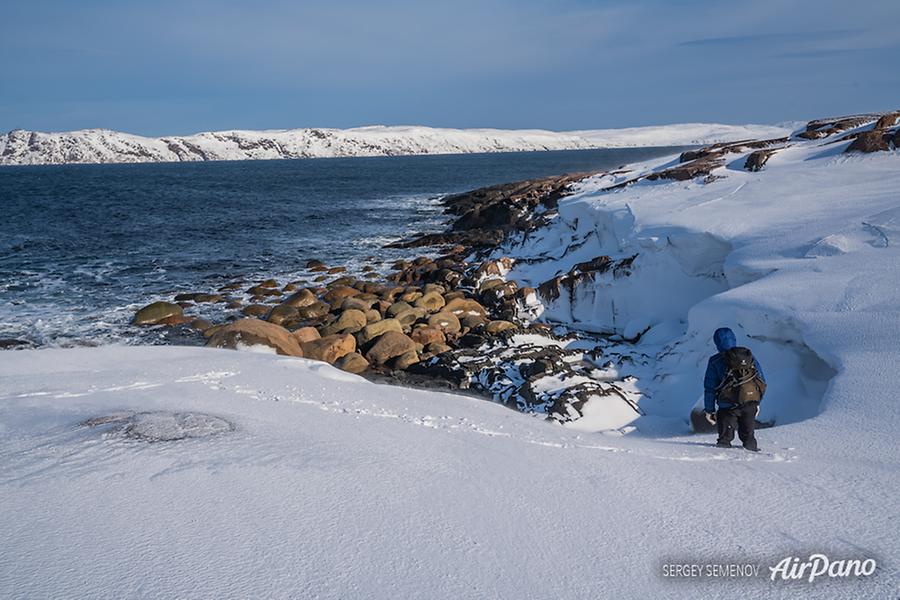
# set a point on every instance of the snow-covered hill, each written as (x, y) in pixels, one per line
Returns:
(19, 147)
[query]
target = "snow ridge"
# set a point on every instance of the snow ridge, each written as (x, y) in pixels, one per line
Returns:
(21, 147)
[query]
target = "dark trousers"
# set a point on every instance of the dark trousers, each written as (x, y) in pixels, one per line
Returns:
(743, 419)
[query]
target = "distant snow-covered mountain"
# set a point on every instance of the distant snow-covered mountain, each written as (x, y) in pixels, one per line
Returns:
(20, 147)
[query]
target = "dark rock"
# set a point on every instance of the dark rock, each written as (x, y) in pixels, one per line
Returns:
(869, 141)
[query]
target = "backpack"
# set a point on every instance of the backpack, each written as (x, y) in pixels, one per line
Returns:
(742, 382)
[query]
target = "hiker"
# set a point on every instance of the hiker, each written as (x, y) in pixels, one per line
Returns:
(735, 381)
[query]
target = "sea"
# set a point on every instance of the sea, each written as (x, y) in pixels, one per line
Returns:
(83, 246)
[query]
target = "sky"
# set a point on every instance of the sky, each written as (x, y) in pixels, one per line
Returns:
(179, 67)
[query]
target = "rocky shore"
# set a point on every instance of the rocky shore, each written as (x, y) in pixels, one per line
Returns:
(452, 318)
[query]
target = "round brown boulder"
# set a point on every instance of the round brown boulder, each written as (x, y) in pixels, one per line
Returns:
(252, 332)
(409, 317)
(445, 321)
(432, 302)
(398, 307)
(313, 311)
(472, 321)
(255, 310)
(306, 334)
(200, 325)
(410, 296)
(436, 348)
(465, 306)
(301, 298)
(362, 304)
(262, 290)
(156, 313)
(350, 321)
(353, 362)
(374, 330)
(427, 335)
(330, 348)
(336, 295)
(495, 327)
(281, 313)
(406, 360)
(388, 346)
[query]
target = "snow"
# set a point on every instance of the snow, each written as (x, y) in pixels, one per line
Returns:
(328, 486)
(105, 146)
(191, 472)
(801, 259)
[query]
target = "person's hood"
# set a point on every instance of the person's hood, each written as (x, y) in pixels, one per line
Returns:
(724, 339)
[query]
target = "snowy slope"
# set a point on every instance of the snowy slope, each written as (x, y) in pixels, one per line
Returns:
(801, 259)
(103, 146)
(332, 487)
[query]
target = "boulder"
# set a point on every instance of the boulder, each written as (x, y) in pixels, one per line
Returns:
(398, 307)
(200, 325)
(436, 348)
(409, 317)
(255, 310)
(388, 346)
(300, 299)
(263, 290)
(445, 321)
(336, 295)
(432, 302)
(350, 321)
(757, 159)
(313, 263)
(198, 297)
(405, 360)
(472, 321)
(358, 303)
(887, 120)
(372, 316)
(306, 334)
(495, 327)
(869, 141)
(377, 329)
(411, 296)
(281, 313)
(354, 362)
(157, 312)
(313, 311)
(253, 332)
(330, 348)
(465, 306)
(427, 335)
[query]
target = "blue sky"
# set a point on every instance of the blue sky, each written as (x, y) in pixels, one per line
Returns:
(168, 67)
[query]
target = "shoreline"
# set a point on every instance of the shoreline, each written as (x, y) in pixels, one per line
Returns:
(442, 312)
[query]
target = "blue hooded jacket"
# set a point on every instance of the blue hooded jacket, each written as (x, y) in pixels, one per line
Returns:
(715, 369)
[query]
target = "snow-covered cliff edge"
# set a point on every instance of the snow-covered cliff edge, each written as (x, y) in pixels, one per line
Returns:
(20, 147)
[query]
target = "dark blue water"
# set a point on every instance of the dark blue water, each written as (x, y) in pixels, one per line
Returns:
(82, 246)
